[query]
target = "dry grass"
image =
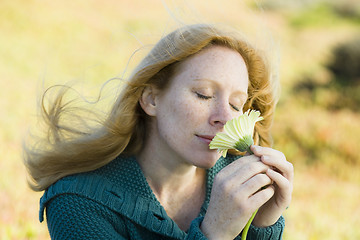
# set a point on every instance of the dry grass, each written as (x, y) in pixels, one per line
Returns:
(90, 42)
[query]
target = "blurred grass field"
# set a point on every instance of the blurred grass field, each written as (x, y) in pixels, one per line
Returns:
(46, 42)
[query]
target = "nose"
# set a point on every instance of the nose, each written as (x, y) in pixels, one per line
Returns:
(221, 114)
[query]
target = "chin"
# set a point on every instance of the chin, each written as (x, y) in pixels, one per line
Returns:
(207, 161)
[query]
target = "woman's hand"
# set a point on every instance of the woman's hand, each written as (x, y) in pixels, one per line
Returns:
(281, 172)
(236, 193)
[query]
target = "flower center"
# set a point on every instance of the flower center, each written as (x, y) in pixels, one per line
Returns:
(244, 144)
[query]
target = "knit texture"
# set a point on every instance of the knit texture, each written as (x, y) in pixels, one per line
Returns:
(116, 202)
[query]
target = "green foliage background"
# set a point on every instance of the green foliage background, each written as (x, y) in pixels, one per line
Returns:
(89, 42)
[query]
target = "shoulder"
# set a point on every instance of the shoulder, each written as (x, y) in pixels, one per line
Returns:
(102, 185)
(78, 217)
(119, 186)
(84, 205)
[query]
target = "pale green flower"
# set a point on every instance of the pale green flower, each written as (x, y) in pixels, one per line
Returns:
(238, 133)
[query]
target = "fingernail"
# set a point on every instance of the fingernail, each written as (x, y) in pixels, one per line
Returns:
(257, 148)
(264, 157)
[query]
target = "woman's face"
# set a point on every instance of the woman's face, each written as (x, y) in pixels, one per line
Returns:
(208, 89)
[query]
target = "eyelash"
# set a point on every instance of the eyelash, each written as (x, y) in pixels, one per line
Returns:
(209, 97)
(235, 108)
(203, 96)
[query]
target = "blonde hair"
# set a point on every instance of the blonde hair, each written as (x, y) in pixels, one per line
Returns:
(66, 150)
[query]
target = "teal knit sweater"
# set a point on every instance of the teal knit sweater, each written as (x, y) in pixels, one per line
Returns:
(116, 202)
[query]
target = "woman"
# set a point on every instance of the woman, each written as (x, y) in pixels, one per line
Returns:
(148, 172)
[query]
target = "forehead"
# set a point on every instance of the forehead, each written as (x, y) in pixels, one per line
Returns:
(212, 55)
(215, 62)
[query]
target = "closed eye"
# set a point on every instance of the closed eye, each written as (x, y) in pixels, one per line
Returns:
(199, 95)
(235, 108)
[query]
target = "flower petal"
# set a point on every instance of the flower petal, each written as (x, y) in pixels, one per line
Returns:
(237, 133)
(230, 129)
(222, 140)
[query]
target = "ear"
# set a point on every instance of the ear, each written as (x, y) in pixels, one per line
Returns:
(148, 100)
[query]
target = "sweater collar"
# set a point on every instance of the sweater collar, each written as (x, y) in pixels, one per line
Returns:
(133, 183)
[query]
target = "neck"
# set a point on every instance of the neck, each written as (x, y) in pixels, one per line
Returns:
(167, 174)
(179, 186)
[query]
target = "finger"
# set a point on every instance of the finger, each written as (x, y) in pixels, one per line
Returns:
(250, 170)
(230, 179)
(262, 196)
(276, 159)
(286, 168)
(239, 163)
(256, 183)
(283, 184)
(260, 151)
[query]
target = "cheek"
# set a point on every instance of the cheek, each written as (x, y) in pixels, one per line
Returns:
(183, 115)
(193, 112)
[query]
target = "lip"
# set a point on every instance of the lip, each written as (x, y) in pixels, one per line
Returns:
(206, 138)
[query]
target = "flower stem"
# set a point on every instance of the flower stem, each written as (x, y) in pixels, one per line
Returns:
(247, 226)
(249, 150)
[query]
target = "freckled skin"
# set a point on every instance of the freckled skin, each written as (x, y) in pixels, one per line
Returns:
(209, 89)
(182, 115)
